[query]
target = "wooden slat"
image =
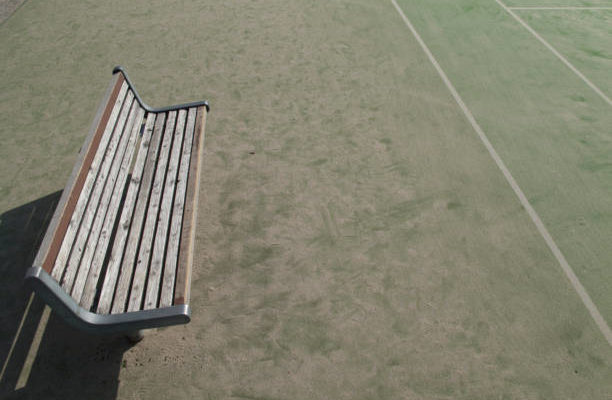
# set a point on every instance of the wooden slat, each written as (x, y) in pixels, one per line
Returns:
(146, 242)
(52, 240)
(76, 216)
(103, 242)
(167, 289)
(165, 212)
(129, 259)
(185, 261)
(101, 209)
(78, 247)
(125, 221)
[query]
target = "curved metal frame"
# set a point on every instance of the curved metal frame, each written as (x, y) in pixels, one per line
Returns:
(65, 306)
(204, 103)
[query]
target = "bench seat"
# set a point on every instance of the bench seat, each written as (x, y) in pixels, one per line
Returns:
(118, 253)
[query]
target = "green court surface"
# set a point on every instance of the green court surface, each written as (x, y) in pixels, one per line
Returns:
(581, 36)
(558, 3)
(356, 237)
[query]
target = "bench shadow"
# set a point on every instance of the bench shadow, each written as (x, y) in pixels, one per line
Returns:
(41, 356)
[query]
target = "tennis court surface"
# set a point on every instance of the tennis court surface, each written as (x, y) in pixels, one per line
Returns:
(401, 199)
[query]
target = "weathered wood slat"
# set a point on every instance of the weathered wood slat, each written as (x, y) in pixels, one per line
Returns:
(79, 210)
(103, 242)
(163, 225)
(58, 226)
(146, 242)
(94, 202)
(112, 272)
(96, 234)
(185, 261)
(129, 259)
(165, 212)
(167, 289)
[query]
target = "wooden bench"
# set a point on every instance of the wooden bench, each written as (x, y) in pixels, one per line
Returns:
(118, 253)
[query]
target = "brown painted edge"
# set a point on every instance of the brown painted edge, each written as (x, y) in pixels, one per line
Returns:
(52, 241)
(190, 213)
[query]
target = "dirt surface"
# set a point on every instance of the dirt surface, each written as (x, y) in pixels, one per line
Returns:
(355, 239)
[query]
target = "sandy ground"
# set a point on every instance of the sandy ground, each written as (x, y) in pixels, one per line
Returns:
(355, 240)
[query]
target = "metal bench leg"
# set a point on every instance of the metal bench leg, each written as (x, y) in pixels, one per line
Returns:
(135, 336)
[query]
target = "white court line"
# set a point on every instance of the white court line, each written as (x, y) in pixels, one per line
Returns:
(568, 8)
(10, 353)
(555, 52)
(569, 272)
(24, 375)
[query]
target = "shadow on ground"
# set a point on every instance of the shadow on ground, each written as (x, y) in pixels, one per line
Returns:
(40, 356)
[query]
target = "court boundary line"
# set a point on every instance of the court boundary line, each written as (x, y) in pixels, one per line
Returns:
(559, 8)
(12, 13)
(567, 269)
(16, 337)
(556, 53)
